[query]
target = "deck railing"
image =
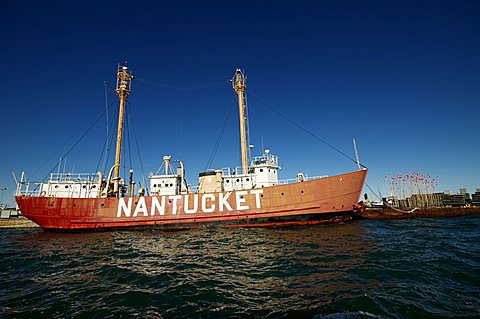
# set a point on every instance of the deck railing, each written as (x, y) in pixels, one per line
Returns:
(67, 177)
(294, 180)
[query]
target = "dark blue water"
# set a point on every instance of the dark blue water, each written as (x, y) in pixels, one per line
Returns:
(417, 268)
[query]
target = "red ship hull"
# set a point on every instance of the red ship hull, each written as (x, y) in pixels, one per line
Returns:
(326, 200)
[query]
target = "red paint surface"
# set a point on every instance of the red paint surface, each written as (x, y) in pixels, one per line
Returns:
(335, 194)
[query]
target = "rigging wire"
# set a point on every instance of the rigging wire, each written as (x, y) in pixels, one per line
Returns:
(138, 151)
(106, 147)
(247, 120)
(250, 127)
(129, 123)
(106, 103)
(374, 193)
(126, 146)
(64, 144)
(74, 145)
(128, 138)
(390, 206)
(176, 88)
(112, 137)
(124, 149)
(219, 137)
(305, 130)
(106, 117)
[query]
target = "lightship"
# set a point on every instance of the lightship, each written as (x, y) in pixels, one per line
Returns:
(250, 195)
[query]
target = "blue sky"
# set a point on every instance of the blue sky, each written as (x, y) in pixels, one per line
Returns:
(402, 77)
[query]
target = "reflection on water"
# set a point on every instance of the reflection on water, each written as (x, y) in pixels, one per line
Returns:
(352, 270)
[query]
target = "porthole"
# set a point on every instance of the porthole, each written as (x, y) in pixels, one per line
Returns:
(248, 179)
(171, 185)
(228, 181)
(66, 186)
(283, 194)
(261, 170)
(84, 186)
(301, 192)
(238, 180)
(94, 186)
(154, 185)
(261, 195)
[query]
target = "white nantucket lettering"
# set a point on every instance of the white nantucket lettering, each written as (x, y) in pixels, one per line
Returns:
(211, 198)
(174, 199)
(240, 199)
(127, 209)
(222, 201)
(195, 205)
(141, 207)
(208, 204)
(257, 193)
(156, 206)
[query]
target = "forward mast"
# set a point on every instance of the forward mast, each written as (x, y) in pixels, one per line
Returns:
(123, 89)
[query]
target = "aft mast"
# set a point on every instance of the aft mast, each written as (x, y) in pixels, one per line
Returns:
(123, 87)
(239, 83)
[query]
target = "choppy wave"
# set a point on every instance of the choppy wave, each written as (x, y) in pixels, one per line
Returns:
(371, 269)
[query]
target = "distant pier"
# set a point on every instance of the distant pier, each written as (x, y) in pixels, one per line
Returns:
(425, 212)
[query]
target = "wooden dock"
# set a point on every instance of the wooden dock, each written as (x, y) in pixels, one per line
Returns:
(17, 222)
